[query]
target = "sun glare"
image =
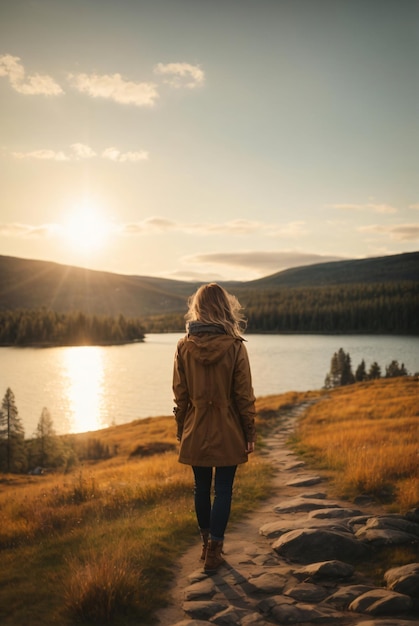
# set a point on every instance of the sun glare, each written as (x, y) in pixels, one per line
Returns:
(84, 371)
(86, 229)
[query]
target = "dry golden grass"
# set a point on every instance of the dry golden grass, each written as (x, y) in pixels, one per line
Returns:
(103, 538)
(368, 435)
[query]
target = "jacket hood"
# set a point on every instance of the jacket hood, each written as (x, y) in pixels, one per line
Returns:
(208, 349)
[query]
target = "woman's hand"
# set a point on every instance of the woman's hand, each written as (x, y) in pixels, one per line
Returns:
(250, 447)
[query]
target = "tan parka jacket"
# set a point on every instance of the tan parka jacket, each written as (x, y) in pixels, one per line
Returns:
(214, 400)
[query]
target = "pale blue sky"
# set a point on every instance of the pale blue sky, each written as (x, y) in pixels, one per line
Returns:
(208, 139)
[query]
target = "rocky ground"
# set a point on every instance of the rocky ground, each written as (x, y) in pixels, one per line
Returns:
(290, 562)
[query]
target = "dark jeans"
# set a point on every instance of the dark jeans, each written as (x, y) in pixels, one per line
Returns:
(215, 516)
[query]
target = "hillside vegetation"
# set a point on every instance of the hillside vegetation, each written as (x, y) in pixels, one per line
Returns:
(379, 295)
(367, 437)
(103, 538)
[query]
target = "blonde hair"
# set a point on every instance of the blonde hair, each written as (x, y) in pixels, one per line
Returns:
(211, 304)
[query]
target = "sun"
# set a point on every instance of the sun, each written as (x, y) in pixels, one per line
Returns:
(86, 229)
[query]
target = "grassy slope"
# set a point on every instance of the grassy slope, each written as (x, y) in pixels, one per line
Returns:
(33, 284)
(366, 436)
(99, 543)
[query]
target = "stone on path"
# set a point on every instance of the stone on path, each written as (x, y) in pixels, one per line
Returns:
(286, 611)
(293, 505)
(381, 602)
(268, 583)
(254, 619)
(276, 529)
(314, 495)
(404, 579)
(203, 609)
(343, 597)
(338, 512)
(307, 592)
(230, 616)
(203, 589)
(304, 481)
(293, 465)
(325, 569)
(314, 544)
(384, 536)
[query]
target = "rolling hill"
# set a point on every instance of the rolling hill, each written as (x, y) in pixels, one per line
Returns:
(31, 284)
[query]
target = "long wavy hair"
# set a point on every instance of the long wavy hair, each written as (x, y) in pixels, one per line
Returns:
(211, 304)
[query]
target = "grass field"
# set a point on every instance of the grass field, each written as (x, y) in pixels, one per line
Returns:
(97, 545)
(367, 437)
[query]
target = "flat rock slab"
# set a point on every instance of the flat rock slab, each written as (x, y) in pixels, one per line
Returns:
(304, 481)
(404, 579)
(293, 505)
(202, 609)
(268, 583)
(290, 613)
(315, 495)
(381, 602)
(325, 569)
(307, 592)
(200, 590)
(343, 597)
(230, 617)
(254, 619)
(384, 536)
(293, 465)
(312, 545)
(338, 512)
(276, 529)
(395, 522)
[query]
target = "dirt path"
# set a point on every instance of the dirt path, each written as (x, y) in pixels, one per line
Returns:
(244, 545)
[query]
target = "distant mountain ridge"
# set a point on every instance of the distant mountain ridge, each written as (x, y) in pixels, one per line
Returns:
(385, 269)
(33, 284)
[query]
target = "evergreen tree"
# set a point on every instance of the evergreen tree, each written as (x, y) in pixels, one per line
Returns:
(45, 439)
(12, 451)
(340, 370)
(374, 371)
(394, 369)
(347, 377)
(361, 372)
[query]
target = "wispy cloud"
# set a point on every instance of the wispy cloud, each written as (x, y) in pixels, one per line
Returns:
(414, 206)
(108, 86)
(24, 231)
(113, 154)
(181, 74)
(266, 260)
(239, 227)
(35, 84)
(81, 151)
(43, 155)
(115, 87)
(399, 232)
(369, 206)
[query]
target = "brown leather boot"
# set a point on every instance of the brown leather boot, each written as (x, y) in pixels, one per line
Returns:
(204, 537)
(213, 558)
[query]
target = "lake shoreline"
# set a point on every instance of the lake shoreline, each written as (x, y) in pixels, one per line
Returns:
(109, 344)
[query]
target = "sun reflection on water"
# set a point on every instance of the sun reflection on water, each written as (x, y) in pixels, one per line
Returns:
(85, 387)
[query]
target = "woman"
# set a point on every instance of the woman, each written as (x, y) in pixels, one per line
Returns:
(215, 408)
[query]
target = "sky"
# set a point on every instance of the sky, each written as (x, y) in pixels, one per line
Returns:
(208, 140)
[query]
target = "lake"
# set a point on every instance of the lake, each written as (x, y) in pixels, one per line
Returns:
(90, 387)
